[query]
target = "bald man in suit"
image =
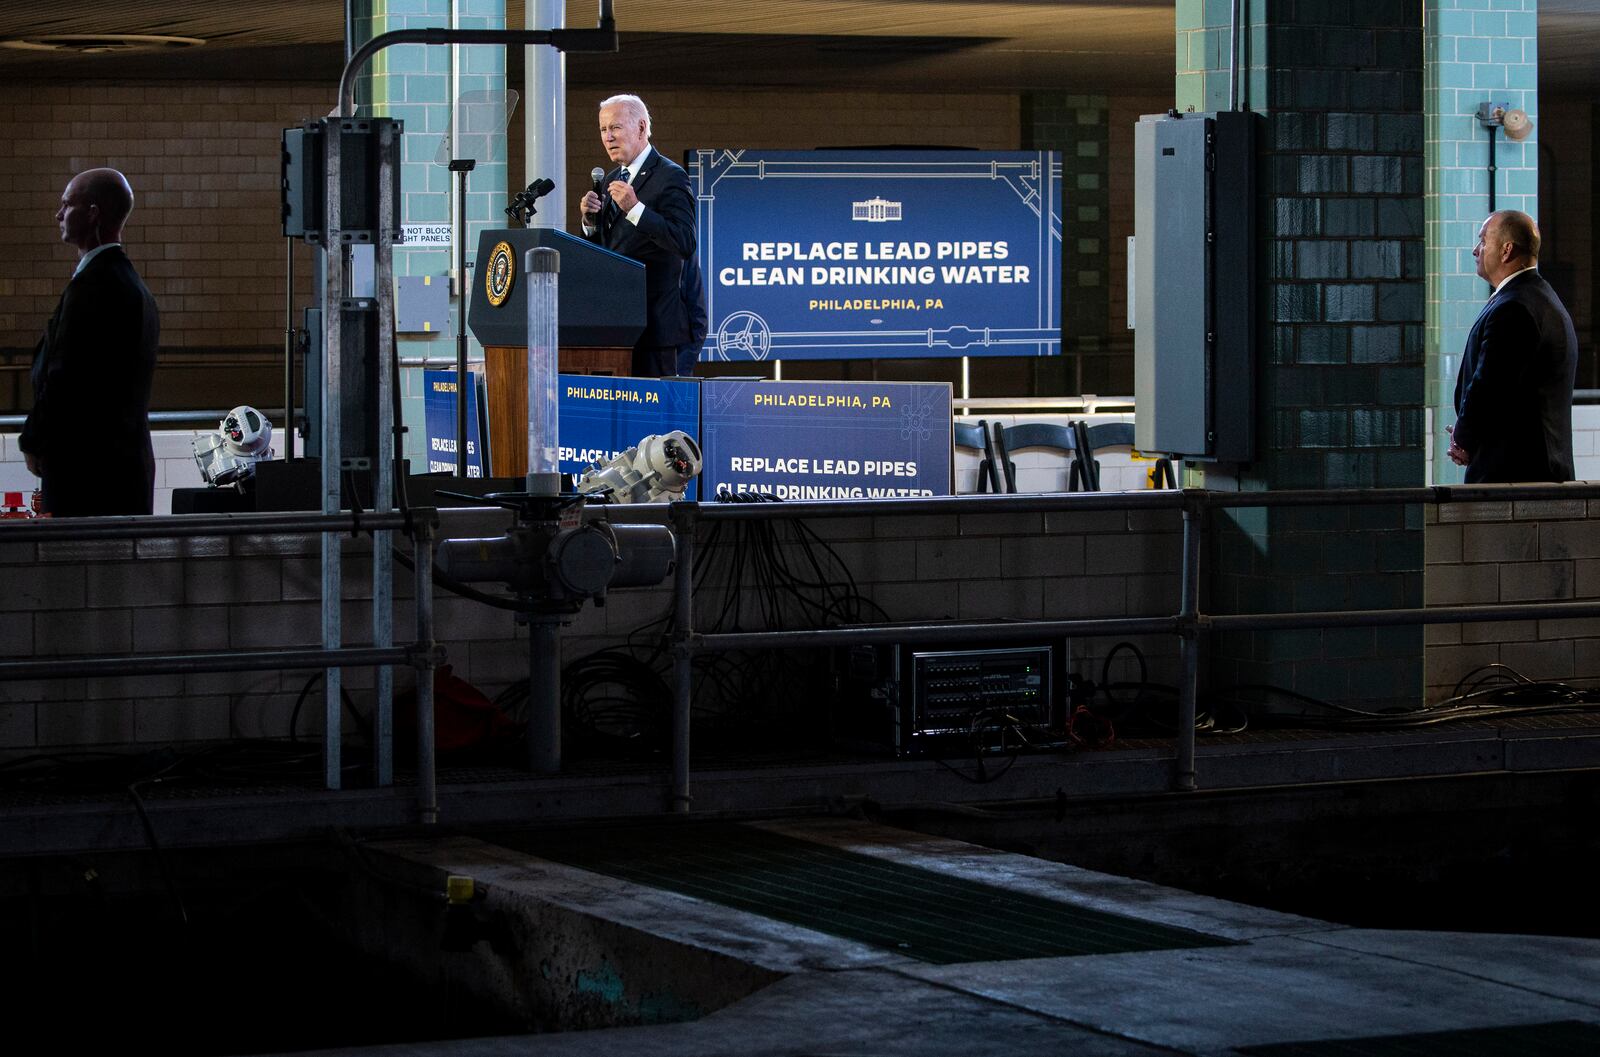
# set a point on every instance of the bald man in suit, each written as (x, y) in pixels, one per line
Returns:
(88, 435)
(1514, 390)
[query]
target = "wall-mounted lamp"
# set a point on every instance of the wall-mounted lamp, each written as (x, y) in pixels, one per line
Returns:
(1517, 126)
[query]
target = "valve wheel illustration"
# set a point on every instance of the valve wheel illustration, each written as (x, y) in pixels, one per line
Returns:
(744, 333)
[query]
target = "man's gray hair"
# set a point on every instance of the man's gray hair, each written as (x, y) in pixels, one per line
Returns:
(632, 104)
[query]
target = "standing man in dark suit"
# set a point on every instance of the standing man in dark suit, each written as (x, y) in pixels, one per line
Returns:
(694, 302)
(647, 213)
(1514, 391)
(88, 435)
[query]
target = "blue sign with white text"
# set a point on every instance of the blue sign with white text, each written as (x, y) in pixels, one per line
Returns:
(841, 254)
(825, 440)
(439, 420)
(602, 417)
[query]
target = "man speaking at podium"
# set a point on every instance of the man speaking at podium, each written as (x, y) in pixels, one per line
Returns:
(643, 209)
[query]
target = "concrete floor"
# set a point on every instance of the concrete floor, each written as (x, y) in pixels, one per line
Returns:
(1288, 978)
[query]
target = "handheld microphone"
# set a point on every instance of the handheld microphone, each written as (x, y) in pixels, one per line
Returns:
(598, 175)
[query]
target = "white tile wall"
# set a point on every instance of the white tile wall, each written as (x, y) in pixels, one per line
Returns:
(175, 465)
(1585, 442)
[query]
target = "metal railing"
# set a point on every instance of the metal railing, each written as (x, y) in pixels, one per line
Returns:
(200, 417)
(1088, 404)
(1188, 622)
(423, 654)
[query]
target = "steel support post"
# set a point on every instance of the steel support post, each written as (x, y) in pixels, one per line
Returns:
(288, 350)
(682, 654)
(422, 563)
(384, 466)
(332, 495)
(1189, 643)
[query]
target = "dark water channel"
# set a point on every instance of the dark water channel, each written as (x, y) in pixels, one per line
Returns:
(100, 959)
(1497, 853)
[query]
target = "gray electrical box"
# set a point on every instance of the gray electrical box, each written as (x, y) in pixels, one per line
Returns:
(362, 143)
(1194, 280)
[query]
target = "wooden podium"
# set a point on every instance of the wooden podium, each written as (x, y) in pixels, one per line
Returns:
(600, 313)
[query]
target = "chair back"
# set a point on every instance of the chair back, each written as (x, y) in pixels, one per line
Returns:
(975, 435)
(1108, 435)
(1051, 435)
(1103, 435)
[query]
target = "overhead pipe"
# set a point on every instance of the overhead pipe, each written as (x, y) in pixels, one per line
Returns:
(602, 38)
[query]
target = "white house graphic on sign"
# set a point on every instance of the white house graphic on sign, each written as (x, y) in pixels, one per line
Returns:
(875, 210)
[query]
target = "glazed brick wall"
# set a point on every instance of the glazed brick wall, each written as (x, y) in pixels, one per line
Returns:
(205, 230)
(1477, 51)
(203, 160)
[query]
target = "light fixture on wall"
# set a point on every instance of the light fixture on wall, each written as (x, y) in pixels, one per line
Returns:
(101, 43)
(1518, 126)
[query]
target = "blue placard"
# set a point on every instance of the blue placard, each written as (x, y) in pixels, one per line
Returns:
(439, 420)
(839, 254)
(825, 440)
(602, 417)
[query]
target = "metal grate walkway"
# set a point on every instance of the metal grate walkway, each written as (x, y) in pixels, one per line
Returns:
(921, 914)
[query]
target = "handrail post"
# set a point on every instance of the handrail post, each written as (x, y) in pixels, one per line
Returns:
(1189, 640)
(683, 520)
(426, 661)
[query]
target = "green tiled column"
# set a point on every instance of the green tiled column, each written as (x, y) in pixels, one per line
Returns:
(1339, 378)
(1078, 127)
(1479, 51)
(419, 84)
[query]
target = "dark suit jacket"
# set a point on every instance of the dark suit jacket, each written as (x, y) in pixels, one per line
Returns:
(662, 241)
(694, 302)
(1514, 391)
(90, 425)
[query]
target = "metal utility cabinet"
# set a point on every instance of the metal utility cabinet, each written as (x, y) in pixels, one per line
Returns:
(1194, 280)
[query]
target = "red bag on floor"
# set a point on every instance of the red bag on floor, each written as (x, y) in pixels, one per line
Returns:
(463, 717)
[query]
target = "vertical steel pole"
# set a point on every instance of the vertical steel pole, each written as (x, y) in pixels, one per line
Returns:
(332, 495)
(384, 468)
(545, 109)
(1189, 644)
(427, 783)
(682, 653)
(288, 350)
(461, 167)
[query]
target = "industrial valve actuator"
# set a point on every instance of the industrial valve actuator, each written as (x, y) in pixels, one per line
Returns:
(563, 565)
